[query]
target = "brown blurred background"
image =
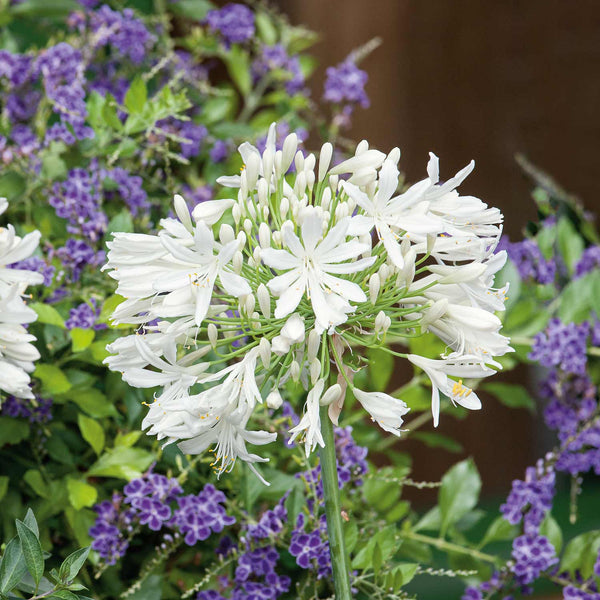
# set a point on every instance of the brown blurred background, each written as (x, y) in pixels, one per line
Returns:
(477, 79)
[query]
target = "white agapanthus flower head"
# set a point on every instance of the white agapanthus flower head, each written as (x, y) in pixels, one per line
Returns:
(278, 282)
(17, 352)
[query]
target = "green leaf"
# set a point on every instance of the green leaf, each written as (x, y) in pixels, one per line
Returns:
(381, 367)
(217, 109)
(407, 572)
(121, 462)
(31, 522)
(416, 396)
(581, 553)
(92, 401)
(92, 432)
(510, 394)
(72, 564)
(385, 539)
(122, 222)
(266, 28)
(127, 439)
(47, 314)
(499, 530)
(13, 566)
(110, 114)
(53, 166)
(4, 481)
(80, 521)
(238, 65)
(459, 492)
(12, 185)
(193, 9)
(81, 494)
(579, 297)
(32, 551)
(35, 480)
(63, 595)
(12, 431)
(81, 338)
(54, 381)
(376, 559)
(350, 535)
(551, 529)
(570, 243)
(437, 440)
(136, 96)
(430, 521)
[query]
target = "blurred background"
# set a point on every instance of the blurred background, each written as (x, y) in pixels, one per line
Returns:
(484, 80)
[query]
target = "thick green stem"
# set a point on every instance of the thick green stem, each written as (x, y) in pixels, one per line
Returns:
(333, 511)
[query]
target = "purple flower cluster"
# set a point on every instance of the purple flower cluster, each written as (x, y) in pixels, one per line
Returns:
(190, 134)
(36, 411)
(345, 84)
(282, 130)
(220, 151)
(529, 260)
(38, 265)
(129, 189)
(530, 500)
(532, 554)
(85, 316)
(157, 502)
(256, 578)
(274, 58)
(562, 345)
(78, 199)
(589, 261)
(75, 255)
(198, 516)
(234, 22)
(121, 31)
(311, 548)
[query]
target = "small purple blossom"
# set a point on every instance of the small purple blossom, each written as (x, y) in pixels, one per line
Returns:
(129, 189)
(39, 265)
(36, 411)
(345, 84)
(533, 554)
(85, 316)
(234, 22)
(529, 260)
(219, 152)
(75, 255)
(589, 261)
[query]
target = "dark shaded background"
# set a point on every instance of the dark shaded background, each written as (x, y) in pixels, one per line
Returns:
(484, 80)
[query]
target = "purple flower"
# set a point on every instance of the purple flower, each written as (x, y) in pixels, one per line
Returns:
(590, 260)
(529, 260)
(38, 411)
(39, 265)
(84, 316)
(75, 255)
(562, 346)
(59, 131)
(194, 135)
(220, 151)
(130, 190)
(209, 595)
(152, 512)
(108, 530)
(345, 84)
(234, 22)
(532, 554)
(311, 549)
(276, 57)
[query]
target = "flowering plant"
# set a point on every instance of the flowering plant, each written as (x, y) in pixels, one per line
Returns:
(275, 303)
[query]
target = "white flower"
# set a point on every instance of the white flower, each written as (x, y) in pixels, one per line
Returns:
(438, 370)
(386, 410)
(15, 249)
(292, 332)
(310, 423)
(311, 263)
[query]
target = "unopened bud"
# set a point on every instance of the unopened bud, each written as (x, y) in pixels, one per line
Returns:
(265, 213)
(264, 349)
(394, 155)
(309, 162)
(243, 185)
(263, 192)
(431, 238)
(438, 309)
(326, 198)
(384, 272)
(299, 161)
(226, 234)
(278, 163)
(314, 341)
(284, 206)
(236, 213)
(241, 238)
(310, 180)
(363, 146)
(249, 304)
(274, 400)
(247, 225)
(251, 210)
(300, 184)
(212, 334)
(290, 145)
(183, 212)
(295, 370)
(333, 183)
(331, 395)
(255, 320)
(374, 287)
(257, 255)
(264, 300)
(277, 238)
(325, 159)
(264, 235)
(252, 169)
(380, 321)
(267, 160)
(238, 261)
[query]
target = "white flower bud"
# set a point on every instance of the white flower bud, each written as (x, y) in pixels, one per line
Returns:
(252, 169)
(267, 160)
(277, 238)
(255, 320)
(241, 238)
(408, 271)
(374, 287)
(310, 180)
(315, 370)
(326, 198)
(264, 349)
(384, 272)
(379, 321)
(266, 213)
(274, 400)
(333, 182)
(248, 226)
(363, 146)
(341, 211)
(257, 255)
(278, 163)
(394, 155)
(226, 234)
(212, 334)
(387, 323)
(325, 159)
(295, 370)
(252, 263)
(371, 188)
(264, 235)
(284, 206)
(243, 185)
(299, 161)
(405, 246)
(300, 184)
(238, 261)
(431, 239)
(263, 192)
(331, 395)
(249, 304)
(438, 309)
(351, 202)
(314, 341)
(290, 145)
(264, 300)
(251, 210)
(236, 213)
(309, 162)
(363, 176)
(183, 212)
